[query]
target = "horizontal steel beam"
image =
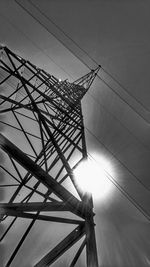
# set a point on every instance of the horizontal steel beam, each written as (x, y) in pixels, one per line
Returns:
(14, 213)
(35, 206)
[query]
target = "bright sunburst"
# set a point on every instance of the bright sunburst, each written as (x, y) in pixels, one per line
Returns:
(92, 178)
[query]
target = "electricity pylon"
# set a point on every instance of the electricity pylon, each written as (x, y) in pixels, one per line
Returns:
(43, 142)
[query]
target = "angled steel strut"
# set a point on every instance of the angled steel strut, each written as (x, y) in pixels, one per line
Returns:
(43, 142)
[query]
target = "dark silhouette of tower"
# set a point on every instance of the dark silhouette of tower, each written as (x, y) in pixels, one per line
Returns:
(43, 143)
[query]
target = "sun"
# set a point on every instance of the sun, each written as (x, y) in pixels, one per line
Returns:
(93, 178)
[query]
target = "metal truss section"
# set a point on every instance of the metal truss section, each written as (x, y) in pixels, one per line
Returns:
(42, 143)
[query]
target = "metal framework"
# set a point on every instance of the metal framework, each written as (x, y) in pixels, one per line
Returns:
(43, 142)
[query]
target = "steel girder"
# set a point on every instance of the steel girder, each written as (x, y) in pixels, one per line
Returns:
(43, 142)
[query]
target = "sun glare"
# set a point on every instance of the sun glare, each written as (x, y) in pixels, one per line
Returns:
(93, 178)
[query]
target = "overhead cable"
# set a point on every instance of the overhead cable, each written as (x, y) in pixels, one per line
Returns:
(66, 35)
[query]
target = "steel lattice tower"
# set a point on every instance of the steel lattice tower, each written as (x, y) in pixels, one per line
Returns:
(44, 122)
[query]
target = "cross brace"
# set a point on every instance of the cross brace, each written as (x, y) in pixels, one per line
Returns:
(73, 203)
(64, 245)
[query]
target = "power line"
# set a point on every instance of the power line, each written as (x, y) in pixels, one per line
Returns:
(125, 193)
(124, 88)
(126, 102)
(59, 28)
(35, 44)
(83, 50)
(72, 76)
(101, 143)
(66, 35)
(120, 122)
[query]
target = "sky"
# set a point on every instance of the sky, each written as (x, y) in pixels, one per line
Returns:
(67, 38)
